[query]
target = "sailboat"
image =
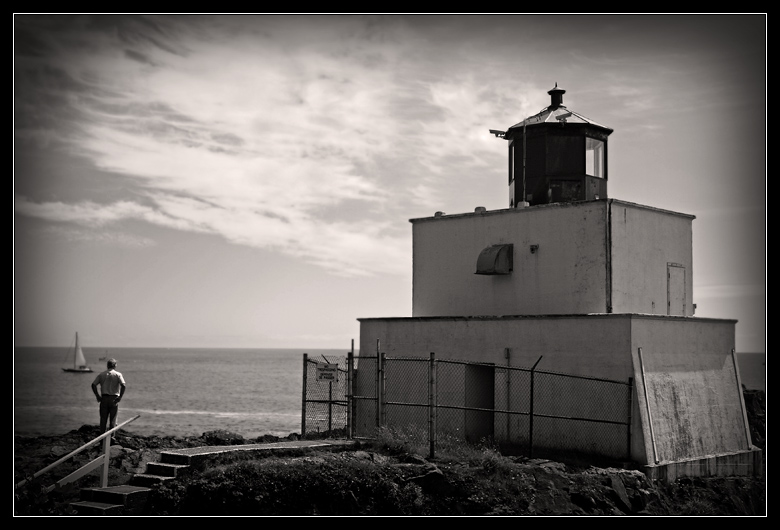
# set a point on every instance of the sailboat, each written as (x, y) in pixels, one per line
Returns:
(79, 362)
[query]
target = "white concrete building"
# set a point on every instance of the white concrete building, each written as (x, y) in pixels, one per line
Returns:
(592, 286)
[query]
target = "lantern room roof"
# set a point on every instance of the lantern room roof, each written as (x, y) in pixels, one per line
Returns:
(556, 113)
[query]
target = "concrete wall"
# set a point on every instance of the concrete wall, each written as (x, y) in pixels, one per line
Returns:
(690, 386)
(589, 345)
(645, 243)
(691, 406)
(566, 275)
(741, 463)
(593, 346)
(592, 257)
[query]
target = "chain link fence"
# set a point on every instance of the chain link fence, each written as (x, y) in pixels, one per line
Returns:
(520, 409)
(325, 399)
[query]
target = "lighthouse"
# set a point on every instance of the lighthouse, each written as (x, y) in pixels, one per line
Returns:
(570, 280)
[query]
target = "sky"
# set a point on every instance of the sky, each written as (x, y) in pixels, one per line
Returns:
(248, 180)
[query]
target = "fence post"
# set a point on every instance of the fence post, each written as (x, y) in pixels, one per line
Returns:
(531, 413)
(383, 390)
(376, 386)
(303, 398)
(330, 407)
(630, 413)
(508, 354)
(432, 405)
(349, 392)
(330, 398)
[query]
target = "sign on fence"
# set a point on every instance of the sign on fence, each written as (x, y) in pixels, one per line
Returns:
(327, 372)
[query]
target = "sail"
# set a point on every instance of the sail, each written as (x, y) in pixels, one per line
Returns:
(77, 356)
(79, 361)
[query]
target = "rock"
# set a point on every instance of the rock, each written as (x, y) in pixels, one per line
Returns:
(549, 465)
(584, 498)
(552, 495)
(58, 451)
(222, 437)
(621, 496)
(755, 406)
(408, 458)
(362, 455)
(432, 481)
(136, 461)
(266, 438)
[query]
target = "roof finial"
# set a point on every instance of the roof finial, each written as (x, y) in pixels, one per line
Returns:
(556, 96)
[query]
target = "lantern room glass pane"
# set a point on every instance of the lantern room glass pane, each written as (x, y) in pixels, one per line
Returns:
(594, 157)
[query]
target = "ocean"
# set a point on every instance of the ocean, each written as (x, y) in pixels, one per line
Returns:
(189, 391)
(752, 370)
(176, 391)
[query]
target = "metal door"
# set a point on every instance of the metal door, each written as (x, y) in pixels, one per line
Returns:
(675, 289)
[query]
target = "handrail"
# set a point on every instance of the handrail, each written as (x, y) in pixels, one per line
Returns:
(91, 465)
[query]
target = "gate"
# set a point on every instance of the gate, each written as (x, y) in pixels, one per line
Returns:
(326, 402)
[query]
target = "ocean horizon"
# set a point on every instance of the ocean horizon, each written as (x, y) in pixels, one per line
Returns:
(189, 391)
(176, 391)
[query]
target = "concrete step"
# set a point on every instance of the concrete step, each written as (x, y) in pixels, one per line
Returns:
(96, 508)
(114, 500)
(147, 480)
(164, 470)
(175, 458)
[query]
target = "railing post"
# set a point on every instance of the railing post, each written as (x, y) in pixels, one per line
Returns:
(432, 405)
(531, 413)
(303, 398)
(349, 390)
(106, 460)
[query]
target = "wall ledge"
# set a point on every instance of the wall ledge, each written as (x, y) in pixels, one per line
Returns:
(740, 463)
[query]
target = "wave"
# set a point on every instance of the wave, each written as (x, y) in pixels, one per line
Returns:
(249, 415)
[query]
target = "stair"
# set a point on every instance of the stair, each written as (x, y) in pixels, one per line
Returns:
(170, 467)
(129, 499)
(114, 500)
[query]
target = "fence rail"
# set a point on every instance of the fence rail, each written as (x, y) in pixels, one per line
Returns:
(524, 408)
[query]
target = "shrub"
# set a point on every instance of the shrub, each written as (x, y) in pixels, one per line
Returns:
(301, 486)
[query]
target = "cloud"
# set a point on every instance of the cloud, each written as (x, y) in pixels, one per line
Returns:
(103, 237)
(288, 133)
(730, 291)
(241, 138)
(258, 137)
(91, 214)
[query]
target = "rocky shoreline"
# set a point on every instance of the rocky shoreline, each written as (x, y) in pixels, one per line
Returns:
(485, 484)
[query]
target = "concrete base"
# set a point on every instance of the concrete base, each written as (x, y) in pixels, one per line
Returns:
(741, 463)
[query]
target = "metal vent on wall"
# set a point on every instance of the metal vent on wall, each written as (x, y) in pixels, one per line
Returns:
(495, 259)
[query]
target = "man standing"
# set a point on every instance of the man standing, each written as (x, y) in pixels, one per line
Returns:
(112, 388)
